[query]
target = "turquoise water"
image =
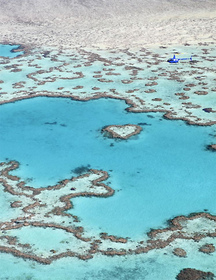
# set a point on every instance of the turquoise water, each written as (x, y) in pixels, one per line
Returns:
(152, 266)
(163, 172)
(6, 51)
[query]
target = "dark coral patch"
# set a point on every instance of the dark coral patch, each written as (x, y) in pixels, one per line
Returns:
(193, 274)
(207, 248)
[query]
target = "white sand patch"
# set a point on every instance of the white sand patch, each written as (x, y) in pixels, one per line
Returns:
(200, 225)
(123, 131)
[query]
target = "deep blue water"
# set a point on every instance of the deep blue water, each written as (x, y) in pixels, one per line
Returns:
(163, 172)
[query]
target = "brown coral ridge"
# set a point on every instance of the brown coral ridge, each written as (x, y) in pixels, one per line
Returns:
(136, 104)
(12, 165)
(18, 253)
(173, 116)
(175, 228)
(87, 58)
(113, 238)
(194, 274)
(20, 189)
(158, 239)
(75, 75)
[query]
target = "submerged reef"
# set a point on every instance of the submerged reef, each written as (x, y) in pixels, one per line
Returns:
(141, 77)
(212, 147)
(122, 131)
(193, 274)
(147, 83)
(44, 211)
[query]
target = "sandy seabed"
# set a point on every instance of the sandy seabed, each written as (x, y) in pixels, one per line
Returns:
(107, 24)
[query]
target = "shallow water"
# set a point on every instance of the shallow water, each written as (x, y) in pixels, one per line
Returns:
(6, 51)
(163, 172)
(158, 174)
(155, 265)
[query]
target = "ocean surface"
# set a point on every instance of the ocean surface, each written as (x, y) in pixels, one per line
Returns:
(157, 175)
(7, 51)
(163, 172)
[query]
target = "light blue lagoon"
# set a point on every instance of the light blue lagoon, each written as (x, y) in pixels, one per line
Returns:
(152, 266)
(163, 172)
(7, 51)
